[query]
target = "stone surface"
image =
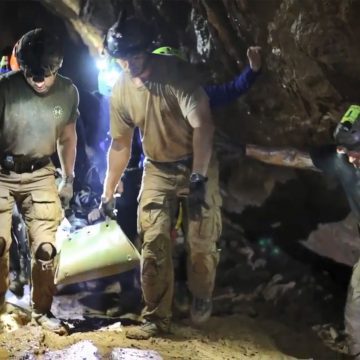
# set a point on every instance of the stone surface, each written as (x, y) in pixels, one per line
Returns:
(311, 73)
(134, 354)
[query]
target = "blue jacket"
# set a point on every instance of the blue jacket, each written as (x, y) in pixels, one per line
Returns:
(220, 95)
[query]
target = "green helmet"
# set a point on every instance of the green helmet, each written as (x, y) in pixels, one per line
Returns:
(169, 51)
(347, 133)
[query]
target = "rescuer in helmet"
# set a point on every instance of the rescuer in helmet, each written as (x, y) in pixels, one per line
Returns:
(38, 112)
(162, 96)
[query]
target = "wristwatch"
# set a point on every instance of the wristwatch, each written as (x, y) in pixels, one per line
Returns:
(68, 179)
(196, 177)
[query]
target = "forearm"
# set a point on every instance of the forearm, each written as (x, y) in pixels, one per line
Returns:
(67, 154)
(202, 147)
(118, 158)
(282, 157)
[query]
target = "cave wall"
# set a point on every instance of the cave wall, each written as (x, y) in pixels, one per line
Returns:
(310, 53)
(18, 17)
(310, 75)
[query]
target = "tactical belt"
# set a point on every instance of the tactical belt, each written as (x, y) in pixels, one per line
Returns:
(178, 164)
(22, 164)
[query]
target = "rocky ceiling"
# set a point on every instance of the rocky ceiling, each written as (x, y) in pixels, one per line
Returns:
(310, 50)
(311, 71)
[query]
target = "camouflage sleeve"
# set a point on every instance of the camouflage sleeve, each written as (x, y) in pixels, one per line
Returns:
(120, 123)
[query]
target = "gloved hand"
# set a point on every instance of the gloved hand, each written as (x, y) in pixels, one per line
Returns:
(107, 207)
(66, 190)
(196, 198)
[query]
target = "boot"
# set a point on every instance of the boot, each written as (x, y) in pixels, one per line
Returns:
(200, 310)
(49, 322)
(181, 302)
(146, 331)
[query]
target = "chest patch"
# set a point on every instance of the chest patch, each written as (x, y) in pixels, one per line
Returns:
(58, 112)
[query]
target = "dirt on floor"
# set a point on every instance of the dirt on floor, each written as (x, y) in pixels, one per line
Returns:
(232, 337)
(255, 332)
(266, 306)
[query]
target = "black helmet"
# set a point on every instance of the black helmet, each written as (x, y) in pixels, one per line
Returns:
(347, 133)
(128, 36)
(39, 54)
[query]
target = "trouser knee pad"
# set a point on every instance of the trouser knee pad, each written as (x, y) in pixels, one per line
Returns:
(150, 271)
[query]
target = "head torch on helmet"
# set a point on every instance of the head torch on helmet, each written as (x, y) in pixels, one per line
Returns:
(352, 114)
(347, 132)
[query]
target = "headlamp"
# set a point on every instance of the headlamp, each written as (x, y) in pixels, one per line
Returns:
(109, 72)
(351, 115)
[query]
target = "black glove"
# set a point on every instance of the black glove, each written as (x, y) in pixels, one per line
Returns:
(107, 207)
(196, 198)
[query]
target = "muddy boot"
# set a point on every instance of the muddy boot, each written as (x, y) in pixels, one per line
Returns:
(200, 310)
(49, 322)
(145, 331)
(181, 299)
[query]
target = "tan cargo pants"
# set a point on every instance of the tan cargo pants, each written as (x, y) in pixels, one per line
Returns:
(163, 186)
(38, 201)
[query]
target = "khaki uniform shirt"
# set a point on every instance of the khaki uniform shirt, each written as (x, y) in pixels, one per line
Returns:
(31, 123)
(159, 108)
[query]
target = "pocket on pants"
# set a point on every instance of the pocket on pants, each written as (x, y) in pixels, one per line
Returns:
(150, 210)
(45, 206)
(209, 226)
(206, 223)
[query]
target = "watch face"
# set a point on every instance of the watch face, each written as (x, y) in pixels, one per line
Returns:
(196, 177)
(193, 177)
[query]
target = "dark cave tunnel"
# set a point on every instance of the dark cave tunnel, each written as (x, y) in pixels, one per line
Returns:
(273, 229)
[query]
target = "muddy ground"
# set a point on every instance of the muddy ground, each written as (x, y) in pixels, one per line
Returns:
(252, 333)
(266, 306)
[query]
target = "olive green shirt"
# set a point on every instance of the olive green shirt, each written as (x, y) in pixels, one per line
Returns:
(31, 123)
(159, 108)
